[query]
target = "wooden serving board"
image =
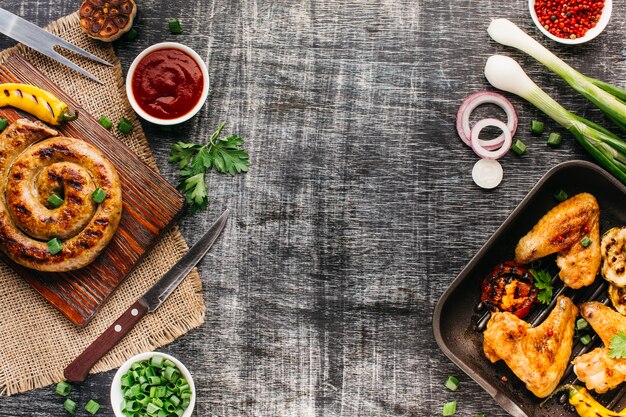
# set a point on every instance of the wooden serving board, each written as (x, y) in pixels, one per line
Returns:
(150, 207)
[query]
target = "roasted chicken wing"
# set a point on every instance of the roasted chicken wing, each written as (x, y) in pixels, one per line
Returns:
(539, 355)
(573, 230)
(597, 369)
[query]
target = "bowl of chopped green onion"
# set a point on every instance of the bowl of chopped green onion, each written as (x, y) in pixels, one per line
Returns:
(153, 384)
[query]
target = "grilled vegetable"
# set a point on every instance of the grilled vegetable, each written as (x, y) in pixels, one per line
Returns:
(612, 247)
(40, 103)
(509, 287)
(108, 20)
(618, 298)
(586, 406)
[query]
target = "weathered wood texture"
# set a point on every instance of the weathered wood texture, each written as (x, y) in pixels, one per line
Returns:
(359, 208)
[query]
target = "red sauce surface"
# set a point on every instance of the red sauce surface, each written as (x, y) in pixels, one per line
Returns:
(167, 83)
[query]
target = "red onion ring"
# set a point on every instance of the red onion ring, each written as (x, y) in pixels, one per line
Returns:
(476, 99)
(476, 145)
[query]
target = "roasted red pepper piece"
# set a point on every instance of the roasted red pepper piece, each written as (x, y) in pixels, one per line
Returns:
(509, 287)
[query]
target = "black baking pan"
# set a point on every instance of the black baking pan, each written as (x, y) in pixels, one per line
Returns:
(458, 318)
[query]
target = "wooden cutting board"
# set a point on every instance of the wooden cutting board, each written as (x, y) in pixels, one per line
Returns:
(150, 207)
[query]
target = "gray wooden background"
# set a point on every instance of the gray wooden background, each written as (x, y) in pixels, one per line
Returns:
(359, 208)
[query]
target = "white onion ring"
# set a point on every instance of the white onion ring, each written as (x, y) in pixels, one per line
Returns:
(487, 173)
(476, 99)
(476, 145)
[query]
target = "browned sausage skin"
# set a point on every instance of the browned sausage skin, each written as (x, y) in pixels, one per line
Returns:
(31, 169)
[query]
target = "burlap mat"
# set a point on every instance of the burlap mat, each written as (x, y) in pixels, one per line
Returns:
(36, 341)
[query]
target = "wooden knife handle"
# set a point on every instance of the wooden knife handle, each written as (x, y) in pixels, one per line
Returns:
(77, 370)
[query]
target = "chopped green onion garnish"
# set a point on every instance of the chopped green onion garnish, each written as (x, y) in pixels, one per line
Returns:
(586, 242)
(125, 126)
(156, 361)
(449, 409)
(3, 124)
(55, 246)
(581, 324)
(561, 195)
(55, 201)
(452, 383)
(536, 127)
(585, 339)
(63, 388)
(554, 140)
(99, 195)
(70, 406)
(174, 25)
(131, 35)
(518, 147)
(105, 122)
(480, 415)
(92, 407)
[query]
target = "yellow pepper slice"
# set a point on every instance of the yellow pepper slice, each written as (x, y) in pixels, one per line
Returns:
(40, 103)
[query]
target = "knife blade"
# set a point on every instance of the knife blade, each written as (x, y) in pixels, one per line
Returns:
(151, 300)
(44, 42)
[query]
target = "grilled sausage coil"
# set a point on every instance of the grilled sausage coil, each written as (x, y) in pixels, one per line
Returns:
(32, 168)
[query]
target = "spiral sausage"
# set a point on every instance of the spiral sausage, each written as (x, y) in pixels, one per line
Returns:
(31, 169)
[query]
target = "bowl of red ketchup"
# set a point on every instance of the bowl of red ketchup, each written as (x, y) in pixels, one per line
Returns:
(167, 83)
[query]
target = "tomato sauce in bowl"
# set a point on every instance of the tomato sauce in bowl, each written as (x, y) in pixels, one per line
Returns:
(167, 83)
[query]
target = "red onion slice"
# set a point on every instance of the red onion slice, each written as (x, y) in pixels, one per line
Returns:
(476, 145)
(476, 99)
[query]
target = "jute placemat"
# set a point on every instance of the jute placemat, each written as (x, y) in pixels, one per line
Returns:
(36, 341)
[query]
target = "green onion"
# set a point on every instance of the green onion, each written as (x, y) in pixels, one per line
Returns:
(63, 388)
(3, 124)
(92, 407)
(131, 35)
(105, 122)
(55, 201)
(554, 140)
(585, 339)
(536, 127)
(99, 195)
(55, 246)
(449, 409)
(125, 126)
(561, 195)
(174, 25)
(606, 147)
(585, 242)
(70, 406)
(581, 324)
(518, 147)
(480, 415)
(452, 383)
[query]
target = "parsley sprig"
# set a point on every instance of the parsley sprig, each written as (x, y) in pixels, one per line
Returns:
(543, 282)
(617, 347)
(224, 155)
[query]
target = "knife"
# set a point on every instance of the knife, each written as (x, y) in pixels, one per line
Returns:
(77, 370)
(41, 41)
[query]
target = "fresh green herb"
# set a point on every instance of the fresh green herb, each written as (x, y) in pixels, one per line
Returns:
(63, 388)
(504, 73)
(452, 383)
(174, 25)
(585, 339)
(70, 406)
(561, 195)
(55, 246)
(581, 324)
(554, 140)
(543, 282)
(55, 201)
(536, 127)
(105, 122)
(99, 195)
(480, 415)
(131, 35)
(194, 160)
(3, 124)
(125, 126)
(449, 409)
(518, 147)
(92, 407)
(618, 345)
(164, 391)
(585, 242)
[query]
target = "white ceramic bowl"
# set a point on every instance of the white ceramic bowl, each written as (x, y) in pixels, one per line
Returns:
(133, 67)
(116, 385)
(591, 33)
